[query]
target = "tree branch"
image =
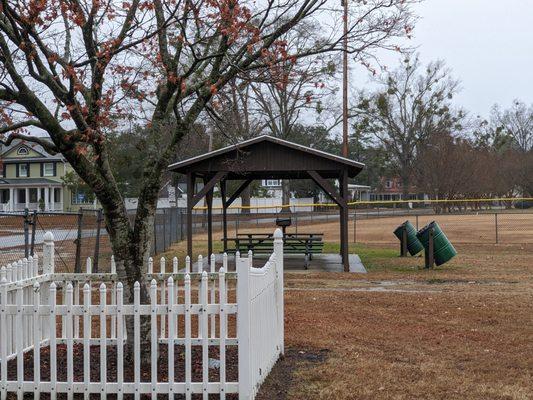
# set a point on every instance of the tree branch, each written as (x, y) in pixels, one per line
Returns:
(45, 143)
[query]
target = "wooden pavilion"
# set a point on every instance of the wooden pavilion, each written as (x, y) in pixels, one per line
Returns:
(265, 157)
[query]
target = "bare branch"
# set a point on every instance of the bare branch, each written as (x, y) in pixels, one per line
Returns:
(45, 143)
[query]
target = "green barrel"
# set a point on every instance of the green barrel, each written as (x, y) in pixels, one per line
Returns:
(413, 244)
(443, 250)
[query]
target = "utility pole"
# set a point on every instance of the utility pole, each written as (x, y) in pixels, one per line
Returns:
(345, 81)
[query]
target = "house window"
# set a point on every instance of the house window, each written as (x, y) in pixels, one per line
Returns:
(23, 151)
(48, 169)
(388, 184)
(79, 196)
(23, 170)
(272, 182)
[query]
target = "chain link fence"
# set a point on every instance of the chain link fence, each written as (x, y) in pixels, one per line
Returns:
(468, 222)
(77, 236)
(83, 234)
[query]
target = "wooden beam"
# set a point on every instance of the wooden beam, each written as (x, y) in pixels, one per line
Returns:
(208, 186)
(345, 255)
(328, 188)
(224, 214)
(191, 179)
(209, 201)
(239, 190)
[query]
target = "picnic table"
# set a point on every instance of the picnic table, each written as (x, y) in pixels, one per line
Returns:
(293, 243)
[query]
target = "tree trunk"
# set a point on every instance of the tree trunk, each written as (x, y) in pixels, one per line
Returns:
(406, 183)
(131, 242)
(285, 195)
(131, 268)
(246, 200)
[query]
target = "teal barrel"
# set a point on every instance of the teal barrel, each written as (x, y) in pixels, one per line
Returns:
(413, 244)
(443, 249)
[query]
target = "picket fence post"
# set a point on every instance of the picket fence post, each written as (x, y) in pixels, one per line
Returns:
(36, 340)
(87, 337)
(3, 334)
(243, 328)
(278, 254)
(120, 340)
(48, 253)
(223, 329)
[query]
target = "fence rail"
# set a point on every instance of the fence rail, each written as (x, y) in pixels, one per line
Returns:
(80, 320)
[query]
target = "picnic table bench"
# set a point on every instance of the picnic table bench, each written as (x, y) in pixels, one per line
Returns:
(293, 243)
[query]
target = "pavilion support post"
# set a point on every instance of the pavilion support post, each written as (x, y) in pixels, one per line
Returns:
(224, 214)
(190, 204)
(343, 186)
(341, 227)
(341, 198)
(209, 201)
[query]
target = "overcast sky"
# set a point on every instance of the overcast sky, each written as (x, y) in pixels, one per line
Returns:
(488, 44)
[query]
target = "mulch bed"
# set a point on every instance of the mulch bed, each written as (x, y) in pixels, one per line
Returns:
(179, 367)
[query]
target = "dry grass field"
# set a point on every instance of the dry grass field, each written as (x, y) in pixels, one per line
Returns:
(461, 331)
(513, 227)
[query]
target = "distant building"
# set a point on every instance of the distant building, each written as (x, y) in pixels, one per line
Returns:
(33, 179)
(391, 189)
(169, 196)
(359, 192)
(273, 187)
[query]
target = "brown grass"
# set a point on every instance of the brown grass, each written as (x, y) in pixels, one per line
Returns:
(462, 331)
(473, 228)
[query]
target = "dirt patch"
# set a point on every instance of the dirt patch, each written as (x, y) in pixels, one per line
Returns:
(281, 378)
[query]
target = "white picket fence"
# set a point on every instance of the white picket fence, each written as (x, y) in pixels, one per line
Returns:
(44, 310)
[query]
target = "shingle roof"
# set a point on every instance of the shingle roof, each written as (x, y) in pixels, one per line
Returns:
(34, 146)
(181, 166)
(28, 182)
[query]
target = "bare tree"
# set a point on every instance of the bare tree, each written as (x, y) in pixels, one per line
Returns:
(411, 105)
(233, 120)
(449, 168)
(509, 134)
(515, 123)
(306, 89)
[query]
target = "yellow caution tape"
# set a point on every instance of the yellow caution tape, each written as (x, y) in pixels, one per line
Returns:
(388, 202)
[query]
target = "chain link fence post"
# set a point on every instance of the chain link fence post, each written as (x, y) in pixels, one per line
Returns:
(26, 233)
(99, 217)
(77, 262)
(33, 227)
(155, 234)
